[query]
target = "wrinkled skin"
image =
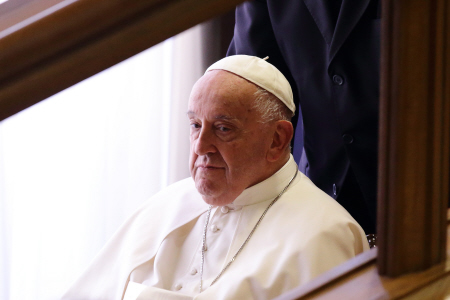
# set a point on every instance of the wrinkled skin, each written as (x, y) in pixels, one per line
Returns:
(231, 149)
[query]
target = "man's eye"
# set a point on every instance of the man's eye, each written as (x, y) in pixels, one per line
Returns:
(223, 129)
(195, 125)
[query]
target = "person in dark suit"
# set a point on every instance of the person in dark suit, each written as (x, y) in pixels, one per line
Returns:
(329, 51)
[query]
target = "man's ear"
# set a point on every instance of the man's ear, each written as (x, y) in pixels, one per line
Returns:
(281, 140)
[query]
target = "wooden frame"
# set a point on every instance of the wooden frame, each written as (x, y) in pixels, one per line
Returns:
(39, 59)
(414, 135)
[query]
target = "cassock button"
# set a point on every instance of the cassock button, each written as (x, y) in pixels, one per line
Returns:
(178, 287)
(193, 271)
(214, 228)
(338, 80)
(224, 209)
(348, 139)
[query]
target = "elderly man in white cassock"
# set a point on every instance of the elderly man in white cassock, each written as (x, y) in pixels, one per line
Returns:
(248, 224)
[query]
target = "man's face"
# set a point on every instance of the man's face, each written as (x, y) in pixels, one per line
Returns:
(228, 144)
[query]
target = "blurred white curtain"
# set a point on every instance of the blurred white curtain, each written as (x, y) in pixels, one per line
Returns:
(74, 166)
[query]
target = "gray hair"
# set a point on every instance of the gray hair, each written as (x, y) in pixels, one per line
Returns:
(270, 107)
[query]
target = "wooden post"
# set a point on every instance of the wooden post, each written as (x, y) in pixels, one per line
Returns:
(414, 135)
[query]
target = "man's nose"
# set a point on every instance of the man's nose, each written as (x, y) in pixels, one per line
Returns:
(205, 142)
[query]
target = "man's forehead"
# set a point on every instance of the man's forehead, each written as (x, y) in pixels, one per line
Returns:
(222, 91)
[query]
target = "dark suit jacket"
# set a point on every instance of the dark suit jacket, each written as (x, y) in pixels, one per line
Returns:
(330, 54)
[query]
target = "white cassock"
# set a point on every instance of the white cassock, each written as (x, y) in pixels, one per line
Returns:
(156, 254)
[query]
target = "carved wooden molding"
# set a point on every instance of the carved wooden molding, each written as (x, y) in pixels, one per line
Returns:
(49, 45)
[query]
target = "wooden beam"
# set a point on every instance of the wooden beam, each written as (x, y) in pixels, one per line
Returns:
(414, 135)
(53, 44)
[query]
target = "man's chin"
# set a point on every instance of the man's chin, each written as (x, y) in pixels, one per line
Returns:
(212, 193)
(216, 201)
(212, 197)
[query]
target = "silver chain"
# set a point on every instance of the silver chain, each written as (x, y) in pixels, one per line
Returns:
(245, 242)
(204, 245)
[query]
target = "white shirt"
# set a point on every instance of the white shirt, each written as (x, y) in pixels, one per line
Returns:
(304, 234)
(177, 265)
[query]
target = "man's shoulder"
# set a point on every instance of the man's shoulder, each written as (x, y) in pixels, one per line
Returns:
(309, 219)
(138, 239)
(173, 206)
(306, 204)
(183, 187)
(308, 195)
(177, 191)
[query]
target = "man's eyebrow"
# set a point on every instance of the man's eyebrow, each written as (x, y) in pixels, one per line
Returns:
(190, 113)
(224, 117)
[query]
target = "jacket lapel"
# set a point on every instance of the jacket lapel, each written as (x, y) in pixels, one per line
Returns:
(351, 12)
(334, 36)
(320, 10)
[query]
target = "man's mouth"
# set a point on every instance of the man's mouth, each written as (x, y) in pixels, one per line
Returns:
(209, 167)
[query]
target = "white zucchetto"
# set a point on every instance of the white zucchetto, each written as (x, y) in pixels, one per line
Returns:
(259, 72)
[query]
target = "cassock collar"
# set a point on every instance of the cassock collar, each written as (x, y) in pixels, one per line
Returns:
(267, 189)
